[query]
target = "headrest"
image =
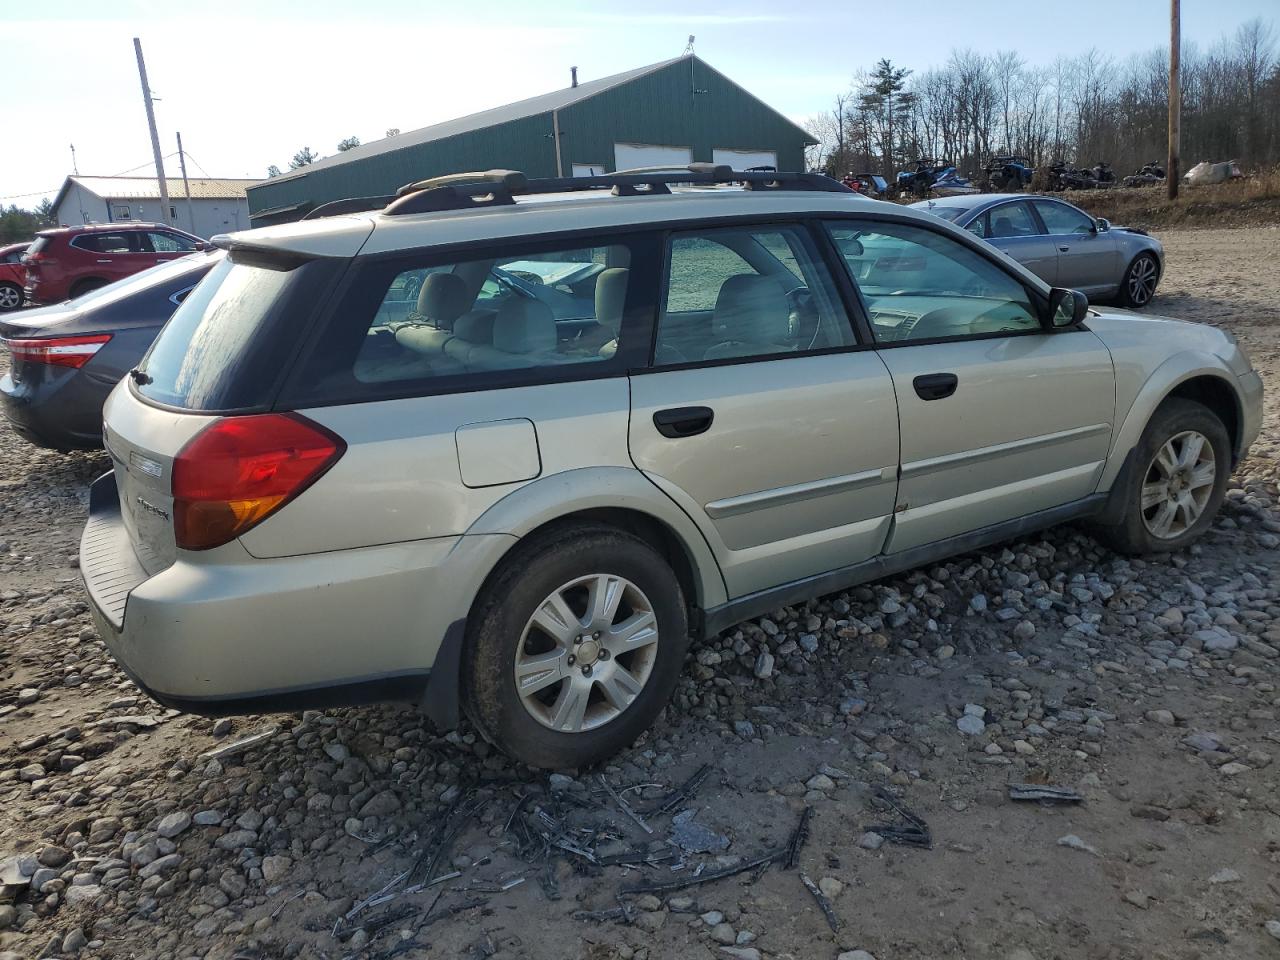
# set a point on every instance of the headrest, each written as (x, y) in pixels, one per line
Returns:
(752, 308)
(611, 295)
(475, 327)
(443, 299)
(524, 326)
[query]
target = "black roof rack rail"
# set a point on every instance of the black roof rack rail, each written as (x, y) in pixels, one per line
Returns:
(336, 208)
(462, 191)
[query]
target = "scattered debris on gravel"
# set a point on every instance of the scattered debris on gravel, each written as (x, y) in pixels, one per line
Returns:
(1039, 750)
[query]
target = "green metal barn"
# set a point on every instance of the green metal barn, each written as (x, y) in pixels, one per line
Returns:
(675, 112)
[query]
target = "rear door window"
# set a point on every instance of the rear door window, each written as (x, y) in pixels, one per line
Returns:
(1012, 220)
(123, 242)
(527, 313)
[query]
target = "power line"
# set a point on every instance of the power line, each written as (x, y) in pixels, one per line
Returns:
(199, 166)
(33, 193)
(149, 163)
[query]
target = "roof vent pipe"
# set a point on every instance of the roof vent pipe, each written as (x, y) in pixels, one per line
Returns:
(573, 76)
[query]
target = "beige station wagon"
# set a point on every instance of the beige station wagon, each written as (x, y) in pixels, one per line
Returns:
(504, 445)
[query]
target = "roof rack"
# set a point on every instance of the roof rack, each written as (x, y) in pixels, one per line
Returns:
(463, 191)
(335, 208)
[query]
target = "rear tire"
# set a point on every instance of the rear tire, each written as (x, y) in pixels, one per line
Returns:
(591, 683)
(1178, 481)
(1139, 284)
(10, 297)
(86, 286)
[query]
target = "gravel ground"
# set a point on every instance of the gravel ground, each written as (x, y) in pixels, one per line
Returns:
(1147, 687)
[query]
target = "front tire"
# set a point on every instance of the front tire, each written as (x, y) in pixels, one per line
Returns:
(1176, 488)
(1139, 284)
(10, 297)
(574, 647)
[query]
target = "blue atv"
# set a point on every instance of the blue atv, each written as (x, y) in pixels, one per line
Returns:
(1008, 174)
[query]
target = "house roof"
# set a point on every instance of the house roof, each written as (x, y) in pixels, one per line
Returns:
(521, 109)
(148, 188)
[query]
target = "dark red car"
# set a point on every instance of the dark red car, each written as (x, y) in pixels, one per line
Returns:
(12, 276)
(64, 263)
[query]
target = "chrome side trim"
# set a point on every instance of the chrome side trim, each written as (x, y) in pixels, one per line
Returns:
(780, 496)
(1000, 449)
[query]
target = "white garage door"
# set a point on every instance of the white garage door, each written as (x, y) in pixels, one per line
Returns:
(628, 156)
(743, 159)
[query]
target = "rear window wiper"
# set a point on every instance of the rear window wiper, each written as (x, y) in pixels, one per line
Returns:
(140, 378)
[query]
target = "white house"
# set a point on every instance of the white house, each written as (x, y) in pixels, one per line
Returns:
(215, 206)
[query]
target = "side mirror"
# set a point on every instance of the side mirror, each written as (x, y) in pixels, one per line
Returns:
(1066, 307)
(1102, 225)
(201, 245)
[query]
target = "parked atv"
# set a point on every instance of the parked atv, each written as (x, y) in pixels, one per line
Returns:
(1150, 174)
(936, 177)
(867, 184)
(1063, 177)
(1005, 174)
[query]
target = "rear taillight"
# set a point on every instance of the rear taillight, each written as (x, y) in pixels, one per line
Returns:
(238, 471)
(58, 351)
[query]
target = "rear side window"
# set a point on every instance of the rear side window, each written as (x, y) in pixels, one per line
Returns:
(220, 350)
(523, 314)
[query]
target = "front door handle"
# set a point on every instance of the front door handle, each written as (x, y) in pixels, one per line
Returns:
(935, 386)
(104, 261)
(678, 422)
(1064, 249)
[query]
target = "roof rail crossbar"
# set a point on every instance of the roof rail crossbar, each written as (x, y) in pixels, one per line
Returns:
(512, 181)
(499, 187)
(467, 196)
(336, 208)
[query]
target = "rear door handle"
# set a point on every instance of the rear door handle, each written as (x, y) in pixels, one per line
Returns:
(1064, 249)
(104, 261)
(935, 386)
(678, 422)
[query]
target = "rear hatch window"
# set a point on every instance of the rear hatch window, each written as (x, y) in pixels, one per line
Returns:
(226, 346)
(37, 245)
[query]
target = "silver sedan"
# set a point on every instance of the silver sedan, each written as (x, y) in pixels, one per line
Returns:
(1061, 244)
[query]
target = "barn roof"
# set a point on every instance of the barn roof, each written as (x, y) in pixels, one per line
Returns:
(148, 188)
(531, 107)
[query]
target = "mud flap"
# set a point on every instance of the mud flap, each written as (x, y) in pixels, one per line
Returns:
(440, 701)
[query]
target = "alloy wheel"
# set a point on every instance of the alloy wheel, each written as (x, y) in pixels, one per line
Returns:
(10, 297)
(1178, 485)
(586, 653)
(1142, 280)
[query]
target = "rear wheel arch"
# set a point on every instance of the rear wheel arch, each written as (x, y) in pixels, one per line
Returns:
(86, 284)
(655, 532)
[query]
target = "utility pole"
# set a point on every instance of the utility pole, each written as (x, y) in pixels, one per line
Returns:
(155, 137)
(186, 187)
(1172, 171)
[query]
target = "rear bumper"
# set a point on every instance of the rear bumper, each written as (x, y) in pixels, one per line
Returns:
(236, 634)
(62, 410)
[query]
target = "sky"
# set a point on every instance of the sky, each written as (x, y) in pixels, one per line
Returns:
(249, 82)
